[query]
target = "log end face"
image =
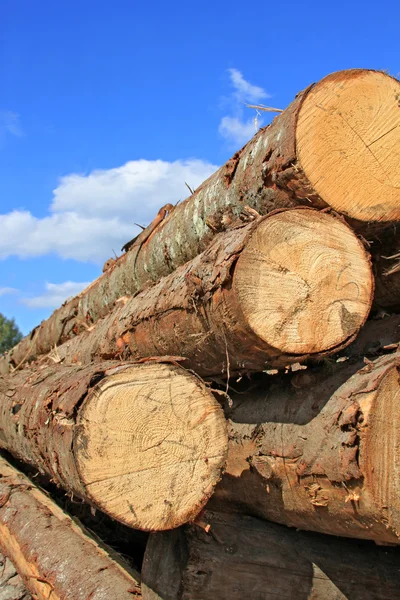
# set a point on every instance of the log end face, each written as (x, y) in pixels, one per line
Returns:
(382, 460)
(348, 143)
(150, 446)
(304, 282)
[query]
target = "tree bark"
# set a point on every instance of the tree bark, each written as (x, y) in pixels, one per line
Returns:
(310, 457)
(386, 266)
(12, 586)
(242, 557)
(55, 556)
(144, 443)
(335, 145)
(259, 295)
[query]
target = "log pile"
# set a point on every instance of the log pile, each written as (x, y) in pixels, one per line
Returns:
(272, 283)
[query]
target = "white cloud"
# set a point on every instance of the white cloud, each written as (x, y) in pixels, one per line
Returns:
(91, 215)
(10, 123)
(135, 189)
(246, 91)
(236, 128)
(55, 294)
(7, 290)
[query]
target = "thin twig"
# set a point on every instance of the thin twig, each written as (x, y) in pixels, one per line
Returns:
(28, 353)
(392, 269)
(189, 188)
(393, 256)
(264, 108)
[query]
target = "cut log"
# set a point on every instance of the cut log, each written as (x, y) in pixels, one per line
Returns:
(305, 456)
(55, 556)
(242, 557)
(336, 145)
(292, 285)
(144, 443)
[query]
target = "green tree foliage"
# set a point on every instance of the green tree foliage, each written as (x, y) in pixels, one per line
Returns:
(9, 334)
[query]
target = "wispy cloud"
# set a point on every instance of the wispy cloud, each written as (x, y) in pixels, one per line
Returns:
(90, 215)
(7, 290)
(236, 128)
(244, 90)
(55, 294)
(10, 123)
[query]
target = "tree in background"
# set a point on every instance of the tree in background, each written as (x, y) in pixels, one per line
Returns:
(9, 334)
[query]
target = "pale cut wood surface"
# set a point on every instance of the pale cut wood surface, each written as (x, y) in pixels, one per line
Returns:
(303, 283)
(154, 441)
(348, 143)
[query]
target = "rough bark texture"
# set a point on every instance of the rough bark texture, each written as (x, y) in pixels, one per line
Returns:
(319, 451)
(56, 557)
(386, 259)
(242, 557)
(144, 443)
(387, 296)
(246, 302)
(12, 586)
(265, 175)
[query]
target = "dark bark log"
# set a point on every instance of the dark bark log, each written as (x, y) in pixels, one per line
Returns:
(242, 557)
(290, 162)
(55, 556)
(386, 265)
(144, 443)
(319, 452)
(259, 295)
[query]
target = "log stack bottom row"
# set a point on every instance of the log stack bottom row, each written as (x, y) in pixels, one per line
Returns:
(230, 380)
(246, 556)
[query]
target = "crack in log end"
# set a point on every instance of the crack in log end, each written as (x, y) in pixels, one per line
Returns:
(347, 140)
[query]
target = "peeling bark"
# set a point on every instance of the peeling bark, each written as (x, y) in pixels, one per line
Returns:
(144, 443)
(242, 557)
(265, 175)
(320, 451)
(55, 556)
(12, 586)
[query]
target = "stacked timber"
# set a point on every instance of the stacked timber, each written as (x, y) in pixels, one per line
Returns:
(335, 146)
(233, 359)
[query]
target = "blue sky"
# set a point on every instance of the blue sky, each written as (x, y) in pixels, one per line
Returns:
(107, 108)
